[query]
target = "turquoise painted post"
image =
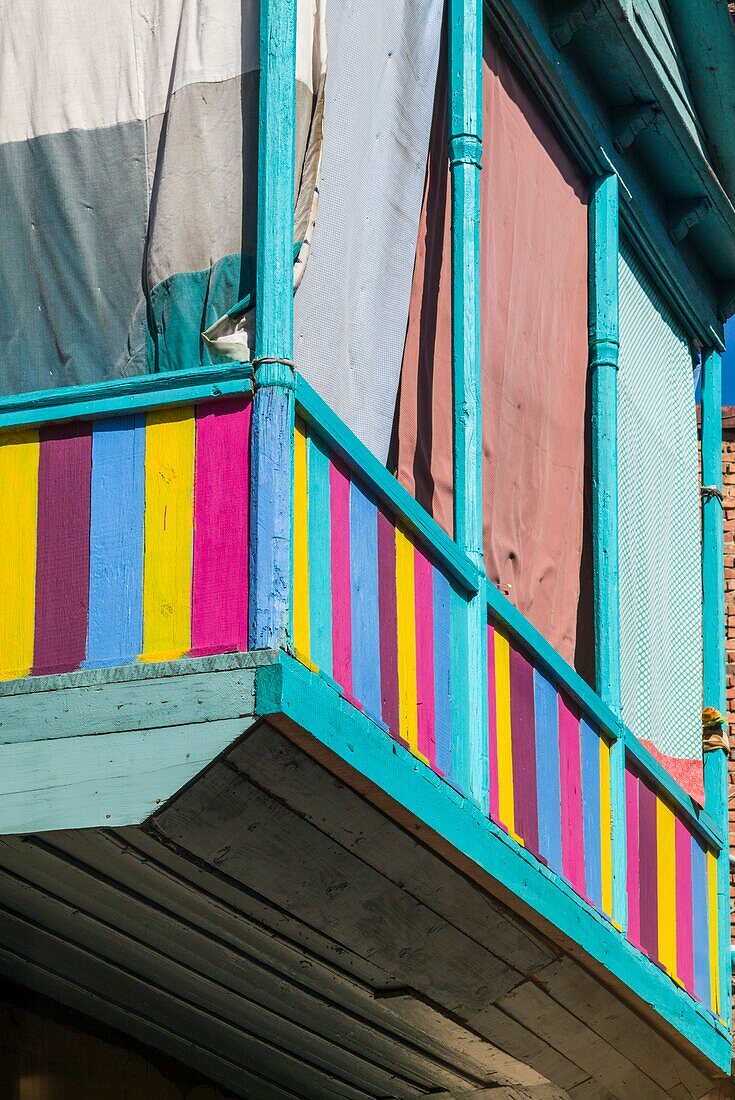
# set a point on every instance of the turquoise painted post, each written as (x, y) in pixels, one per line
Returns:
(465, 153)
(713, 631)
(603, 365)
(273, 403)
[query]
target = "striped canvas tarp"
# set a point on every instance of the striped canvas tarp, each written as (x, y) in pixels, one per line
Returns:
(660, 555)
(128, 179)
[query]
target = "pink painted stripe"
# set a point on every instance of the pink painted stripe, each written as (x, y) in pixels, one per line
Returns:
(633, 848)
(219, 613)
(684, 913)
(492, 725)
(572, 817)
(62, 563)
(339, 484)
(424, 605)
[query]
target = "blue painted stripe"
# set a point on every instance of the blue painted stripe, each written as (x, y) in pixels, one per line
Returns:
(700, 926)
(115, 628)
(364, 594)
(547, 770)
(459, 695)
(442, 673)
(320, 573)
(590, 745)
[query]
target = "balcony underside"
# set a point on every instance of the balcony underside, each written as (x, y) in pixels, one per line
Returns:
(280, 924)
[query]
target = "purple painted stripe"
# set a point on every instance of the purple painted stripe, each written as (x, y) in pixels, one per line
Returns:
(62, 565)
(647, 841)
(633, 881)
(388, 622)
(523, 735)
(570, 775)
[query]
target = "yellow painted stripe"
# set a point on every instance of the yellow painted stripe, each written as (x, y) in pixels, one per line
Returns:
(606, 828)
(666, 885)
(301, 632)
(19, 453)
(169, 506)
(406, 618)
(714, 969)
(506, 799)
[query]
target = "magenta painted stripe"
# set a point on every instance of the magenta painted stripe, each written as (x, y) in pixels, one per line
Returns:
(424, 606)
(523, 734)
(633, 880)
(570, 774)
(388, 622)
(219, 612)
(341, 582)
(647, 833)
(62, 563)
(492, 725)
(684, 915)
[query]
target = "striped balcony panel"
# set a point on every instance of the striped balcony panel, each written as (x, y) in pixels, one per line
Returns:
(549, 772)
(373, 610)
(672, 891)
(126, 539)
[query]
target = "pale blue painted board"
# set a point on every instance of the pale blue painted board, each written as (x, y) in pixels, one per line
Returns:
(115, 628)
(546, 706)
(590, 745)
(364, 601)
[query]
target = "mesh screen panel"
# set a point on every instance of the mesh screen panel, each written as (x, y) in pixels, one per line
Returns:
(660, 570)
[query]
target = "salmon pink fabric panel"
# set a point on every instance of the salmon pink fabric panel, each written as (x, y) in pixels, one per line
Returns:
(534, 352)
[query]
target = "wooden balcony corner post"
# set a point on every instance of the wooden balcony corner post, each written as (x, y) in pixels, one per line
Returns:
(271, 511)
(465, 30)
(713, 633)
(604, 344)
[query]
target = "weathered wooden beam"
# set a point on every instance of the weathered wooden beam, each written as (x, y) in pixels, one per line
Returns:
(271, 510)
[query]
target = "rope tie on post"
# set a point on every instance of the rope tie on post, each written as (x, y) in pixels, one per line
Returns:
(714, 731)
(710, 492)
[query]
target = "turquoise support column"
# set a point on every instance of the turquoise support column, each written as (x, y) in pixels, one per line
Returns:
(603, 365)
(271, 509)
(713, 631)
(465, 28)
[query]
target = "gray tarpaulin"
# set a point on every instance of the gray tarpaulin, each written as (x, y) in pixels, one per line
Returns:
(352, 307)
(128, 160)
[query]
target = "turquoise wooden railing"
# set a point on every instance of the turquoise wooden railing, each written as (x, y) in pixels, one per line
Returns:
(381, 599)
(129, 540)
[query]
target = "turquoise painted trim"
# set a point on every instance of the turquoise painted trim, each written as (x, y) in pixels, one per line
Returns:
(124, 395)
(328, 427)
(104, 781)
(464, 47)
(287, 688)
(271, 494)
(603, 366)
(713, 631)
